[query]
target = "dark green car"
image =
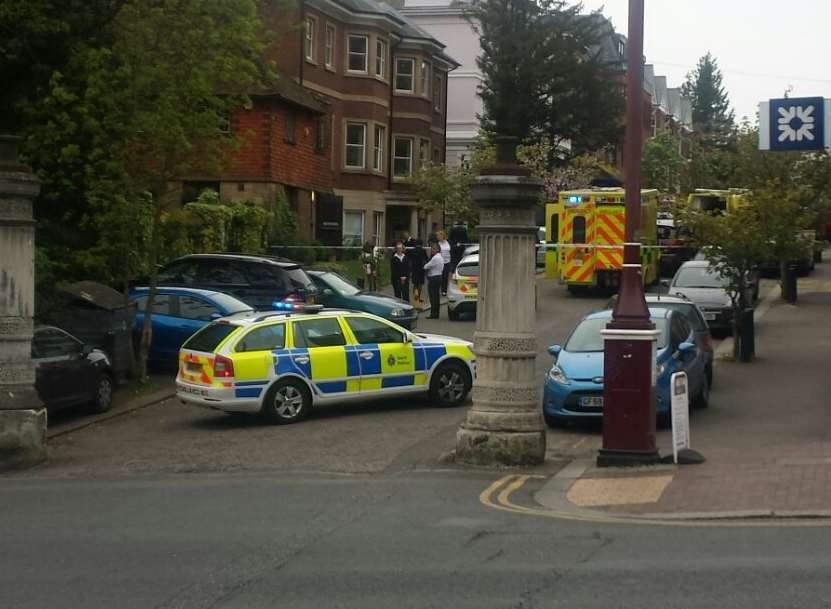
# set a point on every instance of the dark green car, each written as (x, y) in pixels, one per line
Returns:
(337, 292)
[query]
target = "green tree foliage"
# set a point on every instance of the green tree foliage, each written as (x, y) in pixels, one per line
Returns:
(38, 38)
(557, 173)
(545, 72)
(662, 164)
(735, 244)
(712, 116)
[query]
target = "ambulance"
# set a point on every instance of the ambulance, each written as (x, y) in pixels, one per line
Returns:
(590, 239)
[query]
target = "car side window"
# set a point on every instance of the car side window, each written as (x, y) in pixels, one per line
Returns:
(53, 343)
(183, 271)
(370, 331)
(162, 304)
(680, 330)
(323, 332)
(266, 276)
(222, 272)
(196, 308)
(266, 338)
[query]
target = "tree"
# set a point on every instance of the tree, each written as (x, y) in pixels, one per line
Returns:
(712, 116)
(662, 164)
(735, 245)
(546, 74)
(557, 173)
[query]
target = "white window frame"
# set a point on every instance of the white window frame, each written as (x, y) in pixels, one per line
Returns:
(330, 46)
(424, 83)
(409, 159)
(424, 148)
(360, 212)
(411, 75)
(381, 58)
(349, 54)
(437, 92)
(378, 147)
(378, 227)
(347, 145)
(310, 39)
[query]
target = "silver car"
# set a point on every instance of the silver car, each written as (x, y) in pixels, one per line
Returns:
(697, 281)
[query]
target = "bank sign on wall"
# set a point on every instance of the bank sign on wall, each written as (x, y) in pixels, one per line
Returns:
(795, 123)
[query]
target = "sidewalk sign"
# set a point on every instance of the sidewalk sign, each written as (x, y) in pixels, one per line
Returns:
(680, 413)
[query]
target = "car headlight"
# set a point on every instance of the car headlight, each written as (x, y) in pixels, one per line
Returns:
(557, 375)
(397, 312)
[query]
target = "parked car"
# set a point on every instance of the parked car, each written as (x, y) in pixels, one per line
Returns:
(574, 385)
(335, 290)
(281, 365)
(463, 287)
(697, 281)
(69, 372)
(675, 249)
(177, 314)
(703, 338)
(256, 280)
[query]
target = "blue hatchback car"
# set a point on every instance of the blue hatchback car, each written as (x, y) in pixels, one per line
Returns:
(177, 314)
(574, 385)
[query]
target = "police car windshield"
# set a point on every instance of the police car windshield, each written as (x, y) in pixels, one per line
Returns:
(699, 277)
(340, 284)
(587, 338)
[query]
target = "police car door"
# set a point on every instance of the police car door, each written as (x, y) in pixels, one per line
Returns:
(255, 358)
(385, 354)
(319, 354)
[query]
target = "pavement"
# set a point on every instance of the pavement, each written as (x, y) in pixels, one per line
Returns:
(766, 435)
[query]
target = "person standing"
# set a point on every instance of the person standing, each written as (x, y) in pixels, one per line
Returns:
(434, 269)
(418, 258)
(400, 272)
(444, 249)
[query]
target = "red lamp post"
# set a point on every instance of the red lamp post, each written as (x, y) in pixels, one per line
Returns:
(630, 337)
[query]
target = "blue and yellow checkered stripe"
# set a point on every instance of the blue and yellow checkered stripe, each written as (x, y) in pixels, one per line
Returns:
(334, 370)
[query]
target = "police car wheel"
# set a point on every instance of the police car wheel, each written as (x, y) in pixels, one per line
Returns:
(287, 402)
(450, 385)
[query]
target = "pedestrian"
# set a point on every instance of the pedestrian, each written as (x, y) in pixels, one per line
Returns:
(444, 249)
(369, 261)
(400, 272)
(418, 258)
(434, 269)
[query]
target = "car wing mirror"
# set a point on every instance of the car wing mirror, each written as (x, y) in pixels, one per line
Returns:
(686, 347)
(86, 350)
(555, 350)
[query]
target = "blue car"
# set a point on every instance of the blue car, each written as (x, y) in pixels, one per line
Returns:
(177, 314)
(574, 385)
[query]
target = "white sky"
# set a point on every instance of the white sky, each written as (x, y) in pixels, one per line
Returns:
(762, 46)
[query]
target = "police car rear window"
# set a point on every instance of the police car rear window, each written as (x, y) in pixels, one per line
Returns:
(209, 337)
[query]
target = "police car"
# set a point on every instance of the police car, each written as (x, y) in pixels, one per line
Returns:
(280, 364)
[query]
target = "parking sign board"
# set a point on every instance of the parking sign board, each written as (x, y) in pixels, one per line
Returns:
(795, 123)
(679, 403)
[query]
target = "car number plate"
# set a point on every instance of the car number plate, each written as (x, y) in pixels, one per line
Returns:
(193, 390)
(592, 401)
(710, 316)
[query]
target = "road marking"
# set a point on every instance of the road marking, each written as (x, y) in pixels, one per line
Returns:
(510, 484)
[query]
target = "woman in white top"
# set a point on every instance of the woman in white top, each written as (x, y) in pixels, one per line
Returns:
(434, 269)
(444, 248)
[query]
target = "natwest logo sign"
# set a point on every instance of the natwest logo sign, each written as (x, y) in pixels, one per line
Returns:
(794, 123)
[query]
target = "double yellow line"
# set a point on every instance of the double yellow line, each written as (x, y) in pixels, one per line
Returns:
(498, 496)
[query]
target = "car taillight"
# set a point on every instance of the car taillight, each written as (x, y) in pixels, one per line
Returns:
(223, 367)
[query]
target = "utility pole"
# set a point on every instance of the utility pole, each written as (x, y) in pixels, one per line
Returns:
(630, 337)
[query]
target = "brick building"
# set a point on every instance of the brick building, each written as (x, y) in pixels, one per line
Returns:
(360, 104)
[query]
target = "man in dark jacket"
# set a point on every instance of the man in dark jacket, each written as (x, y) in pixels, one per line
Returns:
(400, 272)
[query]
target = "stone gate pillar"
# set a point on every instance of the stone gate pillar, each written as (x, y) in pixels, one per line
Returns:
(22, 416)
(505, 425)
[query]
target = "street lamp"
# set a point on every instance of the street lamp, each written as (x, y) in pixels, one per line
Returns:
(630, 337)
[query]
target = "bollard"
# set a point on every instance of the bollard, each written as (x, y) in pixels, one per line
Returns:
(747, 338)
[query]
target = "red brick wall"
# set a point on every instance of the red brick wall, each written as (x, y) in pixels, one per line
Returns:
(264, 154)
